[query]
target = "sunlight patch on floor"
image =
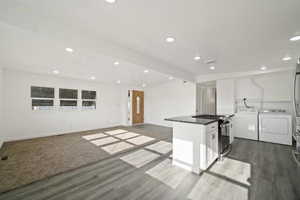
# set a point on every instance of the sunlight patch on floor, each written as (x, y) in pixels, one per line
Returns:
(115, 132)
(215, 188)
(117, 147)
(128, 135)
(104, 141)
(168, 174)
(94, 136)
(139, 158)
(233, 169)
(160, 147)
(140, 140)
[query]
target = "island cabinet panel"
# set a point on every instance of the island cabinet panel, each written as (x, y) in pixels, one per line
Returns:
(195, 146)
(211, 147)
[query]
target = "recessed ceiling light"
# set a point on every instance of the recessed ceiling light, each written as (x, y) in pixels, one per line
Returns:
(171, 77)
(287, 58)
(144, 85)
(93, 78)
(170, 39)
(118, 81)
(55, 72)
(69, 50)
(110, 1)
(263, 68)
(146, 71)
(295, 38)
(212, 68)
(197, 58)
(116, 63)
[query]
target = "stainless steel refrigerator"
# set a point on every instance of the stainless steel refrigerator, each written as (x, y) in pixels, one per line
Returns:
(296, 133)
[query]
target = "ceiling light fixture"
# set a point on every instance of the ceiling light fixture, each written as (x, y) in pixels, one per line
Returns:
(146, 71)
(170, 39)
(93, 78)
(212, 68)
(197, 58)
(144, 85)
(287, 58)
(69, 50)
(295, 38)
(118, 81)
(55, 72)
(110, 1)
(263, 68)
(171, 77)
(116, 63)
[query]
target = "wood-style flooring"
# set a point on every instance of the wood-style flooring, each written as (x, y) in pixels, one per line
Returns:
(253, 170)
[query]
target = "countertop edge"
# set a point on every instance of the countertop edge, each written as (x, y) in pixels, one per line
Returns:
(189, 122)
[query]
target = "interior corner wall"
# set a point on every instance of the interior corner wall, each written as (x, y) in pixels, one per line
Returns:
(23, 123)
(271, 87)
(1, 108)
(171, 99)
(274, 90)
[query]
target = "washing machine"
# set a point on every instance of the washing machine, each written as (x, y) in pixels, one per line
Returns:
(275, 127)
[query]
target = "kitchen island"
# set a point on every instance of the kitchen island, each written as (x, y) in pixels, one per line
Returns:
(195, 142)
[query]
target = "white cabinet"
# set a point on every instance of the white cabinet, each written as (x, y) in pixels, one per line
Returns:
(245, 125)
(211, 147)
(195, 146)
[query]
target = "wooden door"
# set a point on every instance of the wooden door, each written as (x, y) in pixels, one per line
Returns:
(137, 107)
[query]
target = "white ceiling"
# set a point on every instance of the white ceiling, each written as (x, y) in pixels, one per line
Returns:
(240, 35)
(26, 51)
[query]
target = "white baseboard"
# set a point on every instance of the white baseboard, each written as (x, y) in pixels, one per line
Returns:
(57, 133)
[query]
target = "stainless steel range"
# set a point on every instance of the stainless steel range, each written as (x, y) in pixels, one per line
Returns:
(225, 125)
(224, 128)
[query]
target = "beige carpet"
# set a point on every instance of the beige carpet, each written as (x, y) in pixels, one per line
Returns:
(36, 159)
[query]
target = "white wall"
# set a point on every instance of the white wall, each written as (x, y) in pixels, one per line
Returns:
(275, 86)
(225, 97)
(274, 90)
(22, 122)
(169, 100)
(1, 108)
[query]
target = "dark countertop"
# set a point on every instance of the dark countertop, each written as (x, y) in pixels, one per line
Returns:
(192, 120)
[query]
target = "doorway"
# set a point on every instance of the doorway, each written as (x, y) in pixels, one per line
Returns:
(206, 95)
(137, 107)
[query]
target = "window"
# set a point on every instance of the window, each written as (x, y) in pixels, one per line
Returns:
(68, 93)
(89, 104)
(138, 105)
(88, 99)
(42, 92)
(68, 98)
(42, 102)
(85, 94)
(42, 98)
(68, 103)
